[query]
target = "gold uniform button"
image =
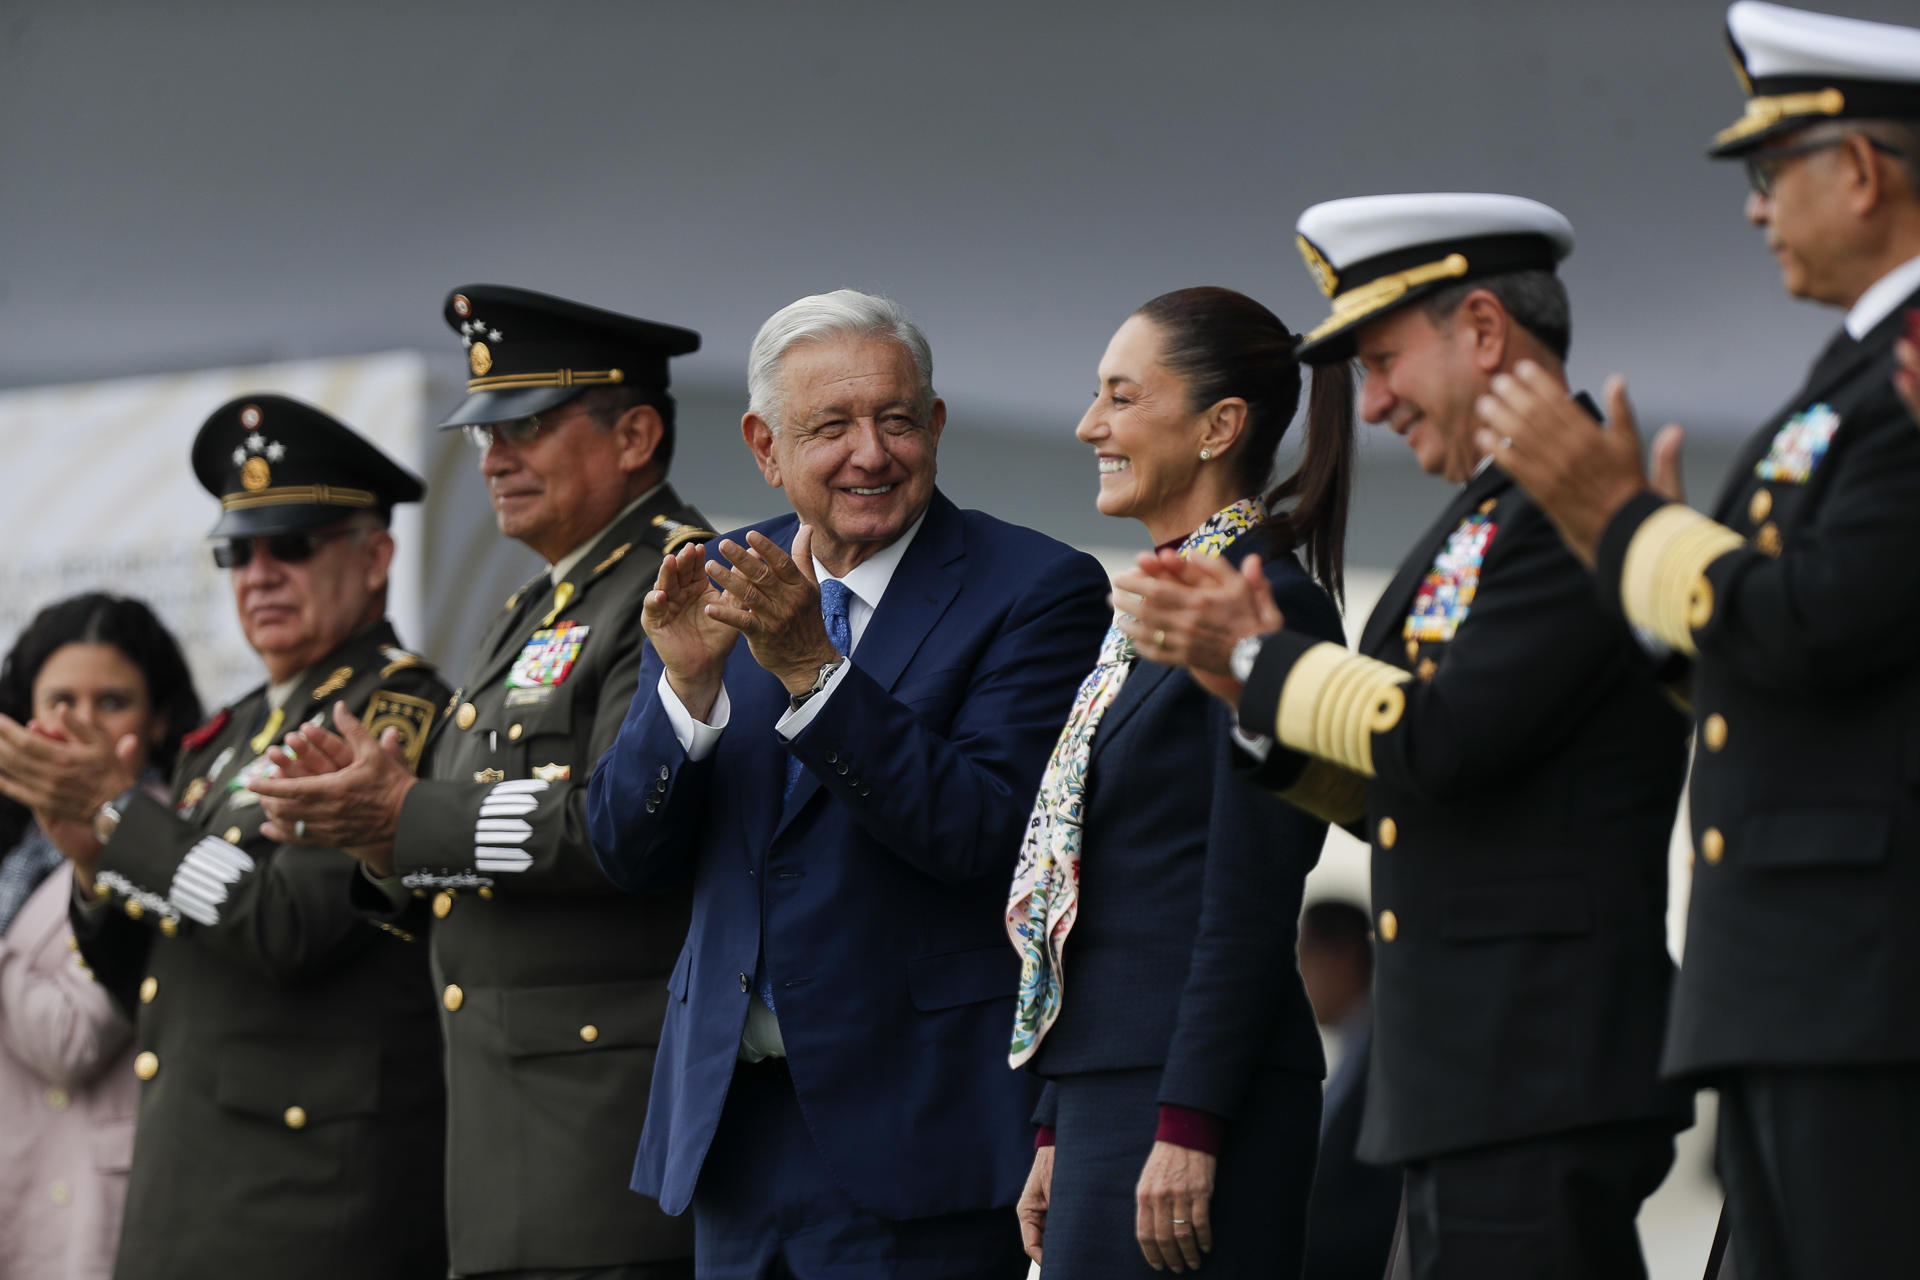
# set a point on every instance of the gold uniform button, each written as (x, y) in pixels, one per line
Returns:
(453, 997)
(73, 943)
(1713, 846)
(62, 1193)
(1413, 648)
(149, 988)
(1767, 542)
(58, 1099)
(442, 904)
(486, 893)
(1389, 832)
(147, 1065)
(233, 835)
(1761, 505)
(1389, 926)
(134, 910)
(169, 926)
(514, 732)
(296, 1117)
(1714, 732)
(589, 1033)
(467, 714)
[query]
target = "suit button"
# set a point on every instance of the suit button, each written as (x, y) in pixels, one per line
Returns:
(1389, 926)
(746, 983)
(442, 905)
(486, 893)
(296, 1117)
(57, 1099)
(1713, 846)
(147, 1065)
(134, 910)
(1413, 648)
(149, 988)
(169, 926)
(1389, 833)
(1761, 506)
(653, 806)
(833, 757)
(453, 997)
(865, 790)
(467, 714)
(589, 1033)
(233, 835)
(665, 773)
(841, 768)
(1714, 732)
(1767, 541)
(61, 1192)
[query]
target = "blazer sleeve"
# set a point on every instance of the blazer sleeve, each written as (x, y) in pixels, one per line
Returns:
(1243, 965)
(1515, 681)
(53, 1016)
(1835, 610)
(954, 807)
(448, 828)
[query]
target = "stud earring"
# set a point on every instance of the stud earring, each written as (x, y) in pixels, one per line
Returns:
(1205, 454)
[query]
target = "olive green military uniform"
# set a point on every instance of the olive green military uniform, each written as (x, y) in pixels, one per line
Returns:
(552, 983)
(291, 1113)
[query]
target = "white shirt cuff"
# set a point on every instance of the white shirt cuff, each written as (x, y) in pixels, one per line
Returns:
(1651, 645)
(790, 725)
(697, 738)
(1257, 745)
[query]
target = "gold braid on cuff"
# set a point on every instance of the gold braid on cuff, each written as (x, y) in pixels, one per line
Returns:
(1663, 581)
(1334, 702)
(1327, 791)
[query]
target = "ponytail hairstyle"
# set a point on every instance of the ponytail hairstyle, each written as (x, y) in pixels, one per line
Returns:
(1224, 345)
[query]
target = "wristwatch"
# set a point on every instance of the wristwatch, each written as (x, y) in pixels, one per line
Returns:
(1246, 651)
(106, 819)
(827, 669)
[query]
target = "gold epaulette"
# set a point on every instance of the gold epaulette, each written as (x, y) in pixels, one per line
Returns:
(1327, 791)
(1663, 580)
(1334, 702)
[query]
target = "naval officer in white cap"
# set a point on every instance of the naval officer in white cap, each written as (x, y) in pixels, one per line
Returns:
(1506, 746)
(1798, 602)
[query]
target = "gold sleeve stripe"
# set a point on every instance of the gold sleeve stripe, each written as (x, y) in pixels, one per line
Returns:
(1330, 792)
(1663, 583)
(1334, 702)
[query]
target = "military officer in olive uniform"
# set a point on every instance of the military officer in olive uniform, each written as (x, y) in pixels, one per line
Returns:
(1799, 603)
(291, 1115)
(552, 983)
(1516, 764)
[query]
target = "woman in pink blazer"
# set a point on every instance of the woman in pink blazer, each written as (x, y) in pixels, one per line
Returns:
(67, 1090)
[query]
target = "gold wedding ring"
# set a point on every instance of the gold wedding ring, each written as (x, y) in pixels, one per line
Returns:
(1160, 639)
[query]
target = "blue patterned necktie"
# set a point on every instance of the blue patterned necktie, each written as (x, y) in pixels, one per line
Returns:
(833, 608)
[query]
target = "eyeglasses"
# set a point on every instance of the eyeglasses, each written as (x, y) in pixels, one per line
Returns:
(287, 548)
(1763, 167)
(519, 433)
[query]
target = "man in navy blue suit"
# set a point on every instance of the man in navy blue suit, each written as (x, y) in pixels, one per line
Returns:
(847, 790)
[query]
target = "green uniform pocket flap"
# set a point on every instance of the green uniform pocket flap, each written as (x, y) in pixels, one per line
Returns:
(1789, 839)
(1519, 909)
(963, 977)
(580, 1019)
(299, 1083)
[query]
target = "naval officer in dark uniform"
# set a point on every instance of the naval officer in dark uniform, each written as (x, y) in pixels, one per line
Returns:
(1514, 759)
(1798, 601)
(552, 983)
(290, 1119)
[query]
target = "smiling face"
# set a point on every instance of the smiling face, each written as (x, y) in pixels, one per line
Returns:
(1146, 437)
(99, 686)
(294, 614)
(856, 445)
(1421, 380)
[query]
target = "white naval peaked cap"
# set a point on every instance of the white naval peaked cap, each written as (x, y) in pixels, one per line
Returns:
(1800, 68)
(1372, 254)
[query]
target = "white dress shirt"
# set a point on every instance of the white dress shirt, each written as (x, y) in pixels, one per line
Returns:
(1881, 297)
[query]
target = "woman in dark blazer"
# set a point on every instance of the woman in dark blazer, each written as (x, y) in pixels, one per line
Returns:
(1158, 889)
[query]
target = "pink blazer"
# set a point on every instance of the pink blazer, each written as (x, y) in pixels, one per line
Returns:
(67, 1098)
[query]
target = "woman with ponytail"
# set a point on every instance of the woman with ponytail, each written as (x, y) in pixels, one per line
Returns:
(1178, 1126)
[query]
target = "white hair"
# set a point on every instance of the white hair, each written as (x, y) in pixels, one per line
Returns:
(820, 317)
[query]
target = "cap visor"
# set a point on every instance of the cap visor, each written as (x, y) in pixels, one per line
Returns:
(483, 407)
(260, 522)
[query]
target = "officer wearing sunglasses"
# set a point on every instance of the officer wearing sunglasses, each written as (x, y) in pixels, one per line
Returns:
(552, 985)
(274, 1026)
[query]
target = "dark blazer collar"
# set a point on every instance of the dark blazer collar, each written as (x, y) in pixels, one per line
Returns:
(1394, 602)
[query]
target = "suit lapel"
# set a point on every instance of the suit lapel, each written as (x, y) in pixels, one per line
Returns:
(1141, 683)
(1394, 602)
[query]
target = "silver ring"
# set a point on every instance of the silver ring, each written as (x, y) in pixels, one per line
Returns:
(1160, 639)
(1179, 1222)
(300, 829)
(1506, 442)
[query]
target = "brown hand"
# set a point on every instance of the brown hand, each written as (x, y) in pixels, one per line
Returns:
(64, 769)
(1032, 1206)
(1580, 476)
(772, 599)
(692, 647)
(1172, 1203)
(355, 808)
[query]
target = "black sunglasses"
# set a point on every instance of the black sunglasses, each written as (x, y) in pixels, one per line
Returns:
(1763, 167)
(287, 548)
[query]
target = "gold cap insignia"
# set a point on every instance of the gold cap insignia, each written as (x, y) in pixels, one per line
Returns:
(552, 772)
(479, 359)
(255, 474)
(1318, 267)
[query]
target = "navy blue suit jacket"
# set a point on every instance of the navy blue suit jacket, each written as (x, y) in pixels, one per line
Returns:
(1182, 956)
(879, 885)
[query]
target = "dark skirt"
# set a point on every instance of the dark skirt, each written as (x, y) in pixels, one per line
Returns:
(1105, 1125)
